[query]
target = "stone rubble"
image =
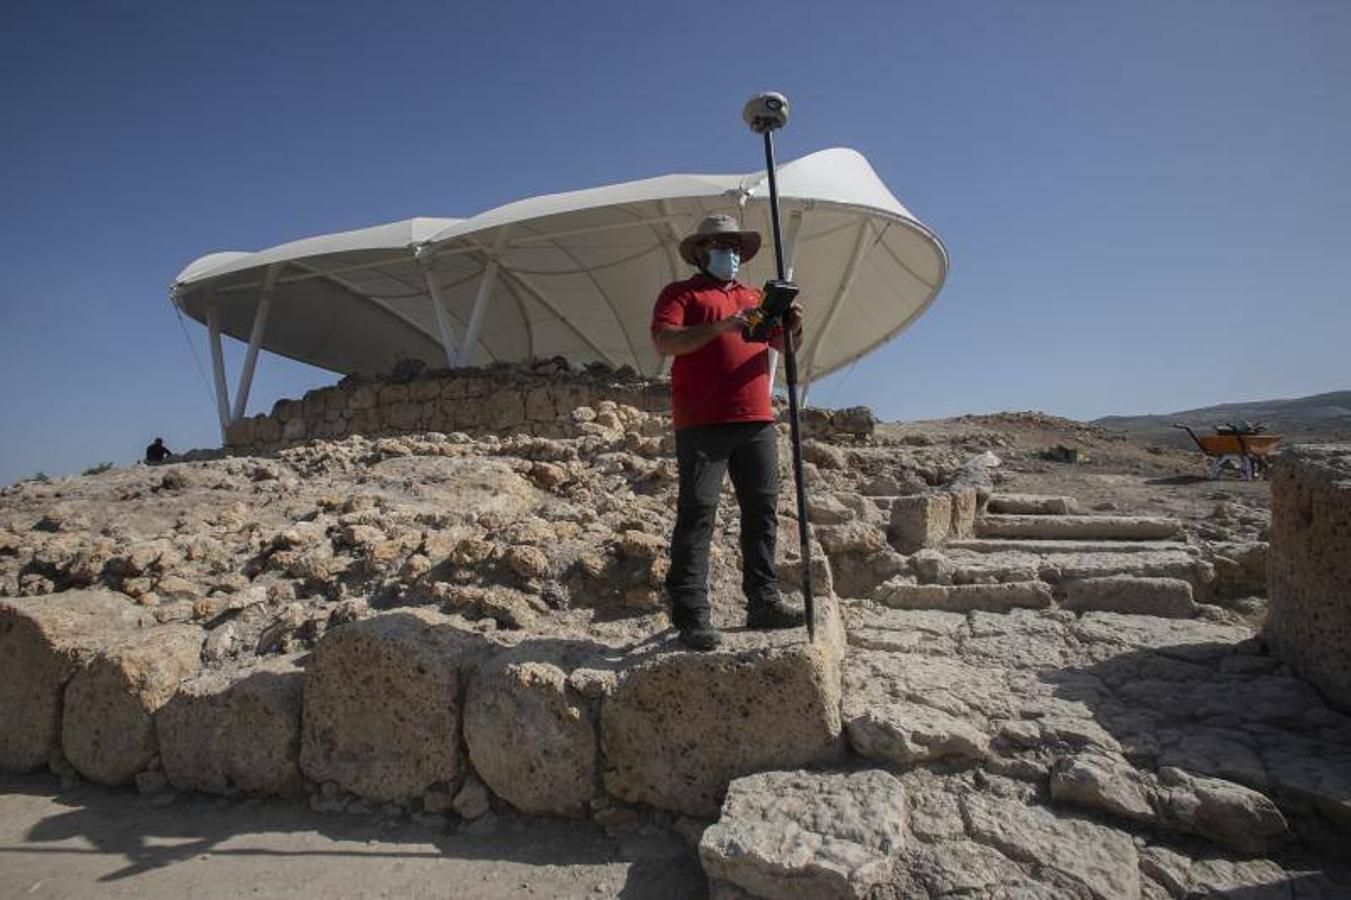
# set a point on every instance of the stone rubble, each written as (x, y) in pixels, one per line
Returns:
(1011, 697)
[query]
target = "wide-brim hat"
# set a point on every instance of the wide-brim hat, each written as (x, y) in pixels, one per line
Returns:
(720, 227)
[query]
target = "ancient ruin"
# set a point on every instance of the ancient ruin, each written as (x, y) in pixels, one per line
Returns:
(437, 598)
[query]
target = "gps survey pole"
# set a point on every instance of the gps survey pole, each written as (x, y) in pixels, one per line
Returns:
(765, 113)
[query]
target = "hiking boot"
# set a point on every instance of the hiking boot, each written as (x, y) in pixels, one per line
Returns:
(700, 637)
(778, 613)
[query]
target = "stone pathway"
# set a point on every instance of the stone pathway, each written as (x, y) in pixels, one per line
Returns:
(1062, 723)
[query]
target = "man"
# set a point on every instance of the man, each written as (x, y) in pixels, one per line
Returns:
(157, 453)
(720, 408)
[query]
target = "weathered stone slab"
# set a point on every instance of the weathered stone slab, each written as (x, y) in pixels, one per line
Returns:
(107, 721)
(681, 726)
(815, 836)
(1170, 598)
(1032, 505)
(531, 737)
(1309, 618)
(967, 567)
(964, 504)
(903, 708)
(1100, 860)
(44, 640)
(919, 521)
(382, 705)
(1041, 546)
(873, 626)
(235, 730)
(1129, 528)
(965, 597)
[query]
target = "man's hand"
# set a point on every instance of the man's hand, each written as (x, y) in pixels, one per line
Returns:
(792, 319)
(735, 322)
(677, 341)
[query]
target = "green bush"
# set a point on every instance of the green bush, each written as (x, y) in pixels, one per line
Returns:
(98, 469)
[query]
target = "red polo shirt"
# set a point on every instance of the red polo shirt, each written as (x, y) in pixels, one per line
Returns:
(726, 380)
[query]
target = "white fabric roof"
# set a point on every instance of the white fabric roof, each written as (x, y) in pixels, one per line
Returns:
(578, 273)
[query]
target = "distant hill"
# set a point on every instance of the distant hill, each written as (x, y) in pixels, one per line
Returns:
(1321, 417)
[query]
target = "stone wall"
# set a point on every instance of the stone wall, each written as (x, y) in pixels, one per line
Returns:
(1309, 621)
(497, 400)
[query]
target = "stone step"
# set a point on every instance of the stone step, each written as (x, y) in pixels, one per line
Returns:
(1000, 597)
(1033, 504)
(1121, 528)
(1057, 568)
(1033, 545)
(1170, 598)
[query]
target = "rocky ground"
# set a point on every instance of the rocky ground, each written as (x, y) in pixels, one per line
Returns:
(1054, 683)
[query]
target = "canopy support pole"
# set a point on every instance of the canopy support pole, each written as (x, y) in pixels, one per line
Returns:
(218, 369)
(790, 253)
(255, 341)
(860, 250)
(485, 289)
(439, 304)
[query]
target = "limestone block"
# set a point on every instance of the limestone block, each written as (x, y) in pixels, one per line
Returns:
(1108, 783)
(902, 709)
(807, 835)
(1170, 598)
(1087, 528)
(1222, 811)
(288, 410)
(823, 455)
(854, 420)
(294, 430)
(382, 705)
(1032, 504)
(402, 416)
(424, 389)
(964, 503)
(568, 396)
(44, 640)
(858, 574)
(680, 726)
(362, 421)
(921, 520)
(1309, 617)
(266, 430)
(107, 723)
(539, 405)
(1240, 570)
(531, 738)
(1101, 861)
(899, 594)
(239, 434)
(504, 410)
(390, 394)
(335, 400)
(235, 730)
(852, 537)
(312, 405)
(361, 398)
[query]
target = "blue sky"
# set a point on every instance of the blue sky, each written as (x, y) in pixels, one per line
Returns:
(1146, 204)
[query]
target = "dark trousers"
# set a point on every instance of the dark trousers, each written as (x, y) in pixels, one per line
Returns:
(746, 450)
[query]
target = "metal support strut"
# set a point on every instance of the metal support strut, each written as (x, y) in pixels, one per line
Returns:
(255, 341)
(218, 368)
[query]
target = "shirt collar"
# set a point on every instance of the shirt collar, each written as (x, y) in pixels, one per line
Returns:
(708, 281)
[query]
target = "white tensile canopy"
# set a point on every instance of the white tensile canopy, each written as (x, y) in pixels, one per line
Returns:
(571, 275)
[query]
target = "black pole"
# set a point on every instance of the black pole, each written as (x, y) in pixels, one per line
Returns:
(790, 376)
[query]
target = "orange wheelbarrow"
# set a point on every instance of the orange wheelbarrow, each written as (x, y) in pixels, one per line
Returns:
(1247, 451)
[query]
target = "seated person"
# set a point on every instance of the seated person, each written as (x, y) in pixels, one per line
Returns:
(157, 453)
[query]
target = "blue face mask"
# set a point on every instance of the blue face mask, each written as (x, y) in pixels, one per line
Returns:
(722, 263)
